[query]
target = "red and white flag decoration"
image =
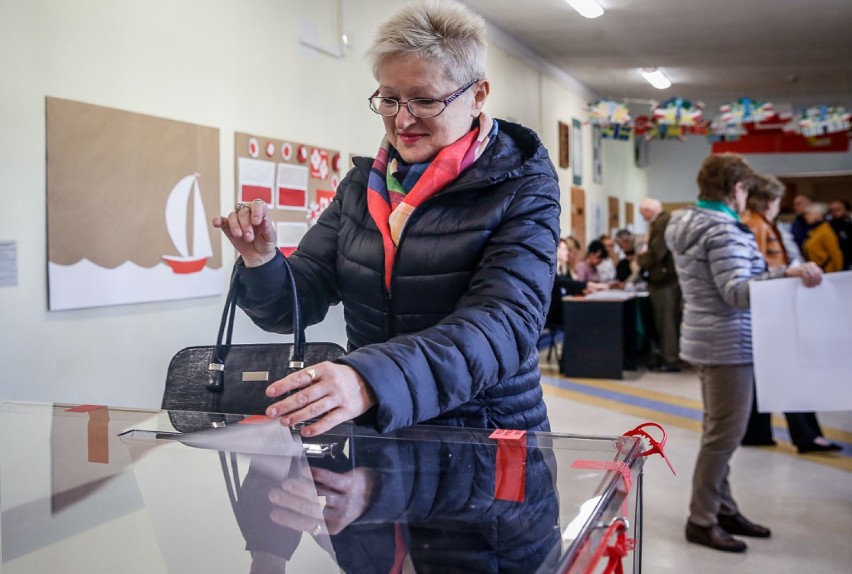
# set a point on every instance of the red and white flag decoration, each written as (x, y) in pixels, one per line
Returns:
(290, 233)
(292, 186)
(256, 179)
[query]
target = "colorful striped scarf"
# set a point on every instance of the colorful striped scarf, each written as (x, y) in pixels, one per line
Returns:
(391, 202)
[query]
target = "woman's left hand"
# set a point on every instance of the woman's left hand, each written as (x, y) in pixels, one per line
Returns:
(810, 273)
(336, 393)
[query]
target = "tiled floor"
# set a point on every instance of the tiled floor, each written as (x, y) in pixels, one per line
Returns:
(805, 499)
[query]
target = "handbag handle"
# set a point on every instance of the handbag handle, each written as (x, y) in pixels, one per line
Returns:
(216, 369)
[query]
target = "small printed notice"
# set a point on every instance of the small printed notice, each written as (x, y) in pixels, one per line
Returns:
(8, 264)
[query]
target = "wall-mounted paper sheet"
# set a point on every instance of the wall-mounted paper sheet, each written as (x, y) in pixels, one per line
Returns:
(8, 263)
(803, 344)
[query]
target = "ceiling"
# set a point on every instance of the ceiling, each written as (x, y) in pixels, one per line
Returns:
(796, 52)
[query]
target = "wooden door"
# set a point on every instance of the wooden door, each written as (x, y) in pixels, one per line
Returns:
(578, 215)
(613, 221)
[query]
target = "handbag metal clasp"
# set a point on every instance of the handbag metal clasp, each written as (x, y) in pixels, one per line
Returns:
(314, 450)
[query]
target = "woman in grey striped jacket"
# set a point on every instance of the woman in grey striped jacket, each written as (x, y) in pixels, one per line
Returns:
(716, 257)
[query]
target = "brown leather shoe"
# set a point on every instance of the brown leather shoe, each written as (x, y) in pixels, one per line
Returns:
(739, 524)
(714, 537)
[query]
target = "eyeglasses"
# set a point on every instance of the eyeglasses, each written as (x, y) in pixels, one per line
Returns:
(422, 108)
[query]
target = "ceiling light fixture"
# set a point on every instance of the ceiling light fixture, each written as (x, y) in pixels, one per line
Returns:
(656, 78)
(586, 8)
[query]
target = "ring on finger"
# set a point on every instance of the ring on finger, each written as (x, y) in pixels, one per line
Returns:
(312, 373)
(317, 529)
(240, 205)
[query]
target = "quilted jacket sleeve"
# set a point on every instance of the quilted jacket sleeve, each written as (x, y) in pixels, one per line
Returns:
(732, 256)
(493, 329)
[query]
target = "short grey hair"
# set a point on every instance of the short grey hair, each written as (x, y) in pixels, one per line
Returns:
(441, 31)
(817, 208)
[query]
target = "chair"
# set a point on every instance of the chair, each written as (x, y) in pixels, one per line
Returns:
(551, 337)
(553, 333)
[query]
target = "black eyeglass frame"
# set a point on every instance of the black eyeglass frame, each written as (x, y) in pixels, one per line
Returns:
(450, 99)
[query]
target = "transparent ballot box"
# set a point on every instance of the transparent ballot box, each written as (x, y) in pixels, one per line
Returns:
(97, 489)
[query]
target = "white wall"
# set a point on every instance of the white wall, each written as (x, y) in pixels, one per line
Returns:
(236, 66)
(674, 166)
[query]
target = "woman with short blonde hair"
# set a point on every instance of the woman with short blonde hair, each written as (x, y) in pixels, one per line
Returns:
(441, 249)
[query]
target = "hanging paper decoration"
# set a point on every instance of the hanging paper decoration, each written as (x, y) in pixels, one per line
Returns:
(616, 132)
(699, 128)
(667, 132)
(725, 131)
(677, 112)
(608, 112)
(641, 125)
(746, 111)
(824, 120)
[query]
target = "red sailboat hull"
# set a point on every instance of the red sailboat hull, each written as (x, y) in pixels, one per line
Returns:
(184, 266)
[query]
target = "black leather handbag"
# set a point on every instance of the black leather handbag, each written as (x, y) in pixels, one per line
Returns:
(232, 379)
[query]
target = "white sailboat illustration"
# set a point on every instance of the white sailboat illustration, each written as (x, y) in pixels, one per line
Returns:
(177, 206)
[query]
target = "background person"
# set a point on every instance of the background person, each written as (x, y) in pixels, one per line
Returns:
(717, 258)
(821, 244)
(567, 257)
(663, 288)
(624, 269)
(841, 223)
(587, 268)
(606, 268)
(442, 249)
(799, 227)
(762, 207)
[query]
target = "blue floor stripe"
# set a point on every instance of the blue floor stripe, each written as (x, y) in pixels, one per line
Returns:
(668, 408)
(780, 433)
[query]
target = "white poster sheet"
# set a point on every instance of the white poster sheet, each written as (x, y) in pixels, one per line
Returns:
(803, 344)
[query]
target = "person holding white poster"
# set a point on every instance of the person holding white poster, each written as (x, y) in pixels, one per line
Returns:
(716, 258)
(763, 204)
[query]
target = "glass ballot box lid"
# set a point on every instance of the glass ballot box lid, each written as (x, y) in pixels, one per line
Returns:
(98, 489)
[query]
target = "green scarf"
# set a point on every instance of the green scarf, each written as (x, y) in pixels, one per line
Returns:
(717, 206)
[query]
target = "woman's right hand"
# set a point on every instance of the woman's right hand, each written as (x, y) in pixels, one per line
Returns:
(810, 273)
(250, 232)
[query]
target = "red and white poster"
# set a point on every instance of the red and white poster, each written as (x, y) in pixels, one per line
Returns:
(289, 235)
(292, 186)
(256, 180)
(147, 187)
(298, 182)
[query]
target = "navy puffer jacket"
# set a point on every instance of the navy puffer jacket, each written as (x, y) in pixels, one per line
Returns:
(454, 341)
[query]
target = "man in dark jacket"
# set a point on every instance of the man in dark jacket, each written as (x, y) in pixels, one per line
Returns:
(663, 288)
(841, 223)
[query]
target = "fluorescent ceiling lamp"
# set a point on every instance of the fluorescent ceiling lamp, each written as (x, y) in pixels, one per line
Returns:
(586, 8)
(656, 78)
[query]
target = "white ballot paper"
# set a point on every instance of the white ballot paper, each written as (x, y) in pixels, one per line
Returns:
(803, 344)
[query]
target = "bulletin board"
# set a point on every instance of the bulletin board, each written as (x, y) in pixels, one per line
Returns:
(297, 181)
(129, 198)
